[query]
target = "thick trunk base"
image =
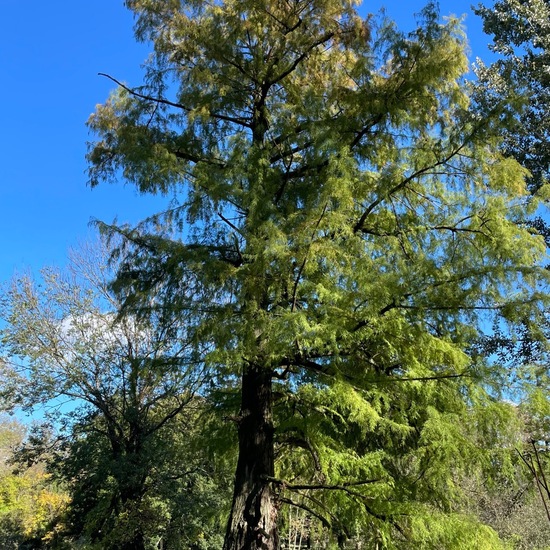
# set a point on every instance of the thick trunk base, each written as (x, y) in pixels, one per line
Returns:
(253, 520)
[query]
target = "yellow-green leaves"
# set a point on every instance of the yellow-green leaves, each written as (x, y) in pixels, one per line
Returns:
(352, 228)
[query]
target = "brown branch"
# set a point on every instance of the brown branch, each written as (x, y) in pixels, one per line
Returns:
(541, 469)
(169, 416)
(306, 445)
(366, 129)
(540, 483)
(289, 152)
(422, 378)
(320, 486)
(302, 267)
(325, 38)
(345, 488)
(329, 370)
(318, 503)
(229, 223)
(303, 170)
(285, 137)
(326, 523)
(145, 97)
(183, 155)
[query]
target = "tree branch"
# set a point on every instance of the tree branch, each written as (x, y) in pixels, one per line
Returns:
(162, 101)
(326, 523)
(426, 169)
(320, 486)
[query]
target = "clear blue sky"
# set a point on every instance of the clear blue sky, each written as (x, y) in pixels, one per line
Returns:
(50, 54)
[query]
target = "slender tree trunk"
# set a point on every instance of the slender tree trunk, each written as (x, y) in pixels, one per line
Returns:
(253, 521)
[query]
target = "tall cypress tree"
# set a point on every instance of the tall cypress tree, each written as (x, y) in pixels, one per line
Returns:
(348, 226)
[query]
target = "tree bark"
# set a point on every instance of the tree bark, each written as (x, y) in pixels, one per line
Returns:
(253, 521)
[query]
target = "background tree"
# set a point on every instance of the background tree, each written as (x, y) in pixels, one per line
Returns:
(520, 32)
(521, 78)
(114, 387)
(348, 225)
(517, 506)
(504, 493)
(185, 494)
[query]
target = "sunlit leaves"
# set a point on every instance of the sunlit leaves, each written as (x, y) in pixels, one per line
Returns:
(518, 82)
(351, 225)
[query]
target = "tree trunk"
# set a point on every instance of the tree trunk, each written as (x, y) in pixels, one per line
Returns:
(253, 521)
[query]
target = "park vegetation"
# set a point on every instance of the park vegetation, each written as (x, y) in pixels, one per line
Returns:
(336, 333)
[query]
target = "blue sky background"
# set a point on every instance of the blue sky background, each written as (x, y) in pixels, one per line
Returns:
(50, 54)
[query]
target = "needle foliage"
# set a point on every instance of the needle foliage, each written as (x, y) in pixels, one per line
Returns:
(348, 226)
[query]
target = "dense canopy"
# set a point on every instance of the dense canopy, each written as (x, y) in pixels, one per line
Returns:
(342, 227)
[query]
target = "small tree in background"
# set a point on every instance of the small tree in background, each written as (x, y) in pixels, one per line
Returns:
(120, 391)
(32, 505)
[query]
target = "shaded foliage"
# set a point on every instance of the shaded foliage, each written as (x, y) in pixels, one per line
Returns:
(131, 383)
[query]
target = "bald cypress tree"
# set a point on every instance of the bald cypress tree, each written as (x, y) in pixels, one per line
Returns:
(346, 225)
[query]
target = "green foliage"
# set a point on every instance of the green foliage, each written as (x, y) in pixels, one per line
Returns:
(454, 532)
(347, 225)
(518, 81)
(120, 447)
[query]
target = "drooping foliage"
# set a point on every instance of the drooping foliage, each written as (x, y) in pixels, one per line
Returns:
(348, 226)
